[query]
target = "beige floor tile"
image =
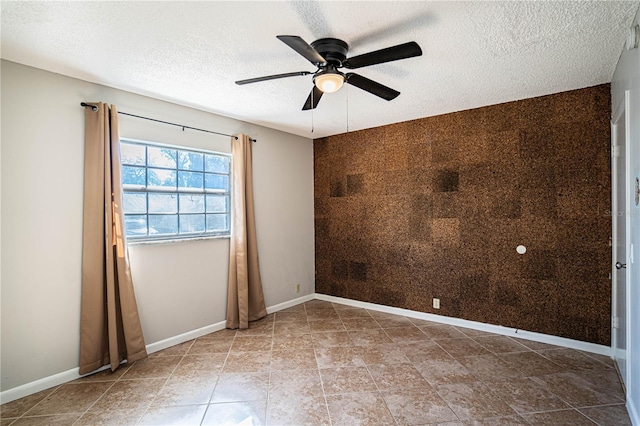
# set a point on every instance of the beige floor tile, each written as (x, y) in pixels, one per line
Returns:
(555, 418)
(297, 316)
(353, 313)
(317, 304)
(422, 351)
(303, 411)
(111, 418)
(20, 406)
(257, 329)
(369, 337)
(70, 398)
(185, 415)
(250, 413)
(251, 344)
(388, 353)
(295, 308)
(340, 356)
(129, 395)
(418, 406)
(153, 368)
(360, 323)
(200, 365)
(340, 306)
(438, 372)
(293, 342)
(461, 347)
(473, 401)
(185, 391)
(289, 328)
(570, 359)
(394, 322)
(53, 420)
(501, 421)
(531, 363)
(442, 331)
(406, 334)
(331, 339)
(304, 383)
(470, 332)
(605, 359)
(247, 362)
(396, 376)
(576, 391)
(322, 314)
(379, 314)
(607, 380)
(500, 344)
(241, 387)
(608, 415)
(317, 326)
(210, 346)
(489, 368)
(359, 409)
(527, 396)
(346, 380)
(533, 345)
(301, 359)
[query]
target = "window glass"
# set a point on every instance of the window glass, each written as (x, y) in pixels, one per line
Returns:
(174, 193)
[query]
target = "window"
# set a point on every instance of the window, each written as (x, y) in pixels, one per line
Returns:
(172, 193)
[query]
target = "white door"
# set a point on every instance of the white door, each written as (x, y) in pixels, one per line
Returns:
(620, 236)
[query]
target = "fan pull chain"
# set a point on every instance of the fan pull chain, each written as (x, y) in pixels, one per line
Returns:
(312, 128)
(347, 107)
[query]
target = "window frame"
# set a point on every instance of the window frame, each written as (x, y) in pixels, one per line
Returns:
(176, 191)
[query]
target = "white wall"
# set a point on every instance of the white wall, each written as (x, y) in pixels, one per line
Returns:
(627, 77)
(179, 286)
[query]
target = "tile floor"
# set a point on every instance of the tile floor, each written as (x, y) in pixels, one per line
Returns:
(327, 364)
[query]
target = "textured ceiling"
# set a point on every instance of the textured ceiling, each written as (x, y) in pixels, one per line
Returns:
(474, 53)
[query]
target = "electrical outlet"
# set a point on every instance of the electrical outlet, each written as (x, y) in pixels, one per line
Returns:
(297, 288)
(436, 303)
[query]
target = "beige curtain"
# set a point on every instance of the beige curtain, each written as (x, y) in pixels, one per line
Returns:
(245, 300)
(110, 329)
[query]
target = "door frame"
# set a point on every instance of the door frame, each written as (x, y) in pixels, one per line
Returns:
(622, 107)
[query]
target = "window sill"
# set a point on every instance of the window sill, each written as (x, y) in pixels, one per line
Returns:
(175, 240)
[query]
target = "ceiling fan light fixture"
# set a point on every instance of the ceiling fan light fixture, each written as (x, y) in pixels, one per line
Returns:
(329, 82)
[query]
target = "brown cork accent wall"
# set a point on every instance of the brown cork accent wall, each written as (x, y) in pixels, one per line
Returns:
(436, 208)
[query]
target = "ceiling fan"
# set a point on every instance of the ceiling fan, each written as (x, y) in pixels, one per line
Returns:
(329, 54)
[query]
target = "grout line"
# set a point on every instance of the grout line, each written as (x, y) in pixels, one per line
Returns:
(95, 402)
(52, 391)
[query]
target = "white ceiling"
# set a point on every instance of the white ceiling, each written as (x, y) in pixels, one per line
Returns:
(474, 53)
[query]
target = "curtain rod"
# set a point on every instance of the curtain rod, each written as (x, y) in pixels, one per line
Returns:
(95, 108)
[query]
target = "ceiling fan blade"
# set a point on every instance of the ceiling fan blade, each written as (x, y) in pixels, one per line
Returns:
(303, 48)
(394, 53)
(371, 86)
(272, 77)
(314, 97)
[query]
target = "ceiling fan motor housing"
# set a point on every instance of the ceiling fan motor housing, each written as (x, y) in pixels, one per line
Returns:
(332, 49)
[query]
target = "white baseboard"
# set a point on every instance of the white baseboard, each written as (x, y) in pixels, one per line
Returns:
(633, 412)
(497, 329)
(185, 337)
(73, 374)
(42, 384)
(290, 303)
